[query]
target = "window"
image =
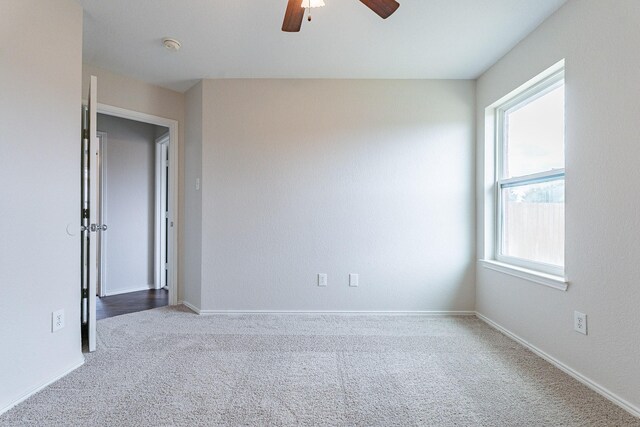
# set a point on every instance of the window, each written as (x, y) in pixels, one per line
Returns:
(530, 177)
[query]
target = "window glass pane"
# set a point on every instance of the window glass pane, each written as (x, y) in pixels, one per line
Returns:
(533, 222)
(535, 135)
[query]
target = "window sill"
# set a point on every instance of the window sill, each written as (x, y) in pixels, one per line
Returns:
(549, 280)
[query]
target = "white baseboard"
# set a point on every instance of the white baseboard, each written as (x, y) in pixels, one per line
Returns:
(632, 409)
(200, 311)
(46, 383)
(197, 310)
(362, 313)
(126, 291)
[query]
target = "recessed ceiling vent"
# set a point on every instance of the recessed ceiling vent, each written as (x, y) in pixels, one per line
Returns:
(171, 44)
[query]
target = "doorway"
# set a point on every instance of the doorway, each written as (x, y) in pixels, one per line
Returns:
(138, 180)
(132, 184)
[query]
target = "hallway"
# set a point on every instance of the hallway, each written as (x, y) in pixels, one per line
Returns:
(130, 302)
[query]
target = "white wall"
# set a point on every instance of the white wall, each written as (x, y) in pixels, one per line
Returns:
(130, 203)
(337, 176)
(192, 283)
(599, 39)
(40, 188)
(135, 95)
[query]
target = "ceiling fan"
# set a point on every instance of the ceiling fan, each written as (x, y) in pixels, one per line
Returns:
(295, 12)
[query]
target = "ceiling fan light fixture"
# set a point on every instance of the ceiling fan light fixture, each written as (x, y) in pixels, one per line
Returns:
(306, 4)
(295, 13)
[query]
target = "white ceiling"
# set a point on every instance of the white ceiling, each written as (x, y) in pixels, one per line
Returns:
(450, 39)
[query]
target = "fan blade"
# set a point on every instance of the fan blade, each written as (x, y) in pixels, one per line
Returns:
(384, 8)
(293, 16)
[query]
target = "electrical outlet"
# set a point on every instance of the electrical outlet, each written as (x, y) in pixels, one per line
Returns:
(322, 280)
(580, 322)
(353, 280)
(57, 320)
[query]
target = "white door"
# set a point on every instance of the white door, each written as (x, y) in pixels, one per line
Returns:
(91, 222)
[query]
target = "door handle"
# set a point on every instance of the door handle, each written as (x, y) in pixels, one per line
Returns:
(98, 227)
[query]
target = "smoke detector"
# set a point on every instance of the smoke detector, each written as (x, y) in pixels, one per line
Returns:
(171, 44)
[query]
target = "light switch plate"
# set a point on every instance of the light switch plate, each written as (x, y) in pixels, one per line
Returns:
(322, 280)
(353, 280)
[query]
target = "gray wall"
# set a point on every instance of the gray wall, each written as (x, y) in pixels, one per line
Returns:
(129, 203)
(192, 284)
(599, 40)
(40, 187)
(337, 176)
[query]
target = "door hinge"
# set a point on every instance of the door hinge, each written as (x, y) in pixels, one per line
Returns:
(85, 293)
(85, 213)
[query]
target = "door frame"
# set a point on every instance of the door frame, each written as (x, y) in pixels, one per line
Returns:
(172, 261)
(161, 148)
(102, 237)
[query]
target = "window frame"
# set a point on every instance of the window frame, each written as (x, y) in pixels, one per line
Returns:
(524, 97)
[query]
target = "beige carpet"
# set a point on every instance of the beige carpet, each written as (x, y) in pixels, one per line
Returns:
(167, 367)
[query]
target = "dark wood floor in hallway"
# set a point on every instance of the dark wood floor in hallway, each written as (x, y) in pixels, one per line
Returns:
(130, 302)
